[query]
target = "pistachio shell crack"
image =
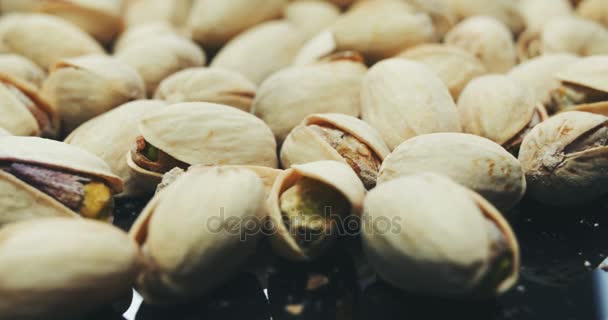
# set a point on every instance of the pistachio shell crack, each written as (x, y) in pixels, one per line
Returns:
(42, 118)
(594, 138)
(570, 95)
(500, 259)
(513, 145)
(153, 159)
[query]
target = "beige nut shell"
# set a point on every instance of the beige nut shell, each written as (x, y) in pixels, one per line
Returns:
(311, 17)
(595, 10)
(505, 11)
(21, 68)
(142, 32)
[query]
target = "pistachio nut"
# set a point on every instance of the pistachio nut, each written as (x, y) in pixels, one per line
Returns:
(208, 85)
(487, 39)
(594, 10)
(475, 162)
(184, 134)
(110, 136)
(565, 158)
(537, 12)
(379, 29)
(21, 68)
(47, 39)
(84, 87)
(159, 57)
(339, 137)
(279, 41)
(288, 96)
(583, 86)
(234, 17)
(59, 268)
(454, 66)
(460, 246)
(537, 74)
(100, 19)
(175, 12)
(499, 108)
(505, 11)
(565, 34)
(311, 17)
(307, 204)
(197, 226)
(143, 32)
(403, 99)
(41, 178)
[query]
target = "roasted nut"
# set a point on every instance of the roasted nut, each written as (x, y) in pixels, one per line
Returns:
(110, 136)
(175, 12)
(143, 32)
(594, 10)
(311, 17)
(84, 87)
(475, 162)
(213, 23)
(499, 108)
(47, 39)
(186, 233)
(460, 246)
(59, 268)
(505, 11)
(403, 99)
(454, 66)
(333, 136)
(306, 205)
(487, 39)
(208, 85)
(19, 67)
(278, 40)
(288, 96)
(184, 134)
(159, 57)
(565, 158)
(41, 178)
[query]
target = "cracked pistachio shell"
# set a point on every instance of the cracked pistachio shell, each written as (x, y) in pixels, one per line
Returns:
(442, 247)
(454, 66)
(594, 10)
(487, 39)
(58, 268)
(214, 85)
(208, 134)
(311, 17)
(505, 11)
(22, 68)
(537, 12)
(175, 12)
(475, 162)
(234, 17)
(334, 174)
(185, 234)
(84, 87)
(161, 56)
(538, 74)
(590, 72)
(261, 51)
(110, 136)
(288, 96)
(379, 29)
(566, 158)
(100, 19)
(20, 201)
(47, 39)
(304, 145)
(403, 99)
(143, 32)
(496, 107)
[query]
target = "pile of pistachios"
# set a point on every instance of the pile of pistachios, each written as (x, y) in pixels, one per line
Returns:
(422, 122)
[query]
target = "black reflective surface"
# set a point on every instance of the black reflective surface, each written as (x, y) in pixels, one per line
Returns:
(561, 249)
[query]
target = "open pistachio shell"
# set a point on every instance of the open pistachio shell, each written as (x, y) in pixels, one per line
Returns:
(22, 68)
(475, 162)
(454, 66)
(278, 40)
(565, 158)
(214, 85)
(110, 136)
(460, 246)
(234, 17)
(21, 201)
(288, 96)
(187, 230)
(84, 87)
(159, 57)
(101, 19)
(590, 72)
(595, 10)
(143, 32)
(47, 39)
(487, 39)
(403, 99)
(63, 268)
(175, 12)
(505, 11)
(381, 29)
(311, 17)
(363, 149)
(333, 175)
